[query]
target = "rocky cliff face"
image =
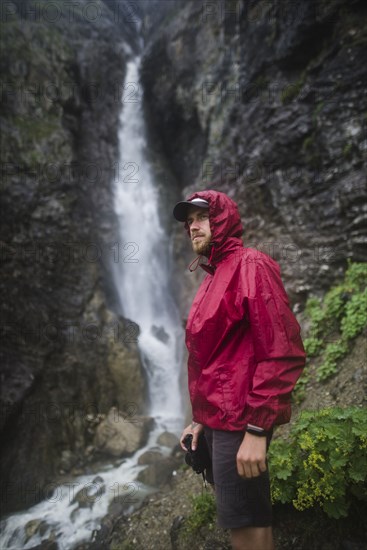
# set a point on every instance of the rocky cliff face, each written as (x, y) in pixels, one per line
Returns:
(266, 101)
(262, 100)
(67, 354)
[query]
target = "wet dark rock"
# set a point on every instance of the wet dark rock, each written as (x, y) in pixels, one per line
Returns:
(350, 545)
(90, 493)
(175, 530)
(160, 334)
(68, 460)
(46, 545)
(20, 379)
(120, 506)
(35, 526)
(159, 473)
(67, 354)
(266, 102)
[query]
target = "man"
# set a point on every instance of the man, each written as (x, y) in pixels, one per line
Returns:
(245, 356)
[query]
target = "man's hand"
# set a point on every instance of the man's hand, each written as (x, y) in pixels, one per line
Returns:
(251, 456)
(194, 428)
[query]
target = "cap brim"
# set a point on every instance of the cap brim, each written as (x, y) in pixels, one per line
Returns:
(181, 209)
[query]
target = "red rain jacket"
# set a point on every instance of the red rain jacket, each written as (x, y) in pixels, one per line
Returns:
(245, 349)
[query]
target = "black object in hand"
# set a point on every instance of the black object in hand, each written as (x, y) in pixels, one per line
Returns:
(199, 459)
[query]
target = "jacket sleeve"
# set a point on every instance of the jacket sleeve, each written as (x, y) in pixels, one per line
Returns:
(277, 345)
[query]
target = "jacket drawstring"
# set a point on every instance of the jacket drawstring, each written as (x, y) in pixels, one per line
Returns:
(197, 259)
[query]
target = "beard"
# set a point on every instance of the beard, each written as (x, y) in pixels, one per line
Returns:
(202, 247)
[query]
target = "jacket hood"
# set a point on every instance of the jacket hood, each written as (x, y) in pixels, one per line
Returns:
(225, 224)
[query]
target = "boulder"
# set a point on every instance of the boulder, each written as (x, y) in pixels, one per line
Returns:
(90, 493)
(68, 460)
(168, 439)
(33, 527)
(150, 457)
(160, 334)
(119, 436)
(158, 473)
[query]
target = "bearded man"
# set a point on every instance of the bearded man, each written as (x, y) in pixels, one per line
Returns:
(245, 356)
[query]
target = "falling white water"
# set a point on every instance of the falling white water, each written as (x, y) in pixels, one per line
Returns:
(142, 280)
(142, 277)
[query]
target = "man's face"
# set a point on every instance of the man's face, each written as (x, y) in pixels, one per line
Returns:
(198, 222)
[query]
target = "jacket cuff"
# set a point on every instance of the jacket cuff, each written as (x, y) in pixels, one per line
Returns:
(262, 417)
(267, 414)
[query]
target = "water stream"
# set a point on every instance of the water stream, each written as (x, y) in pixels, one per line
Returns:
(142, 281)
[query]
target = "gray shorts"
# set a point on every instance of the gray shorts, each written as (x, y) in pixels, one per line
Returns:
(240, 502)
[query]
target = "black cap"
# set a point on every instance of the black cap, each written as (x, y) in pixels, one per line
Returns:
(181, 208)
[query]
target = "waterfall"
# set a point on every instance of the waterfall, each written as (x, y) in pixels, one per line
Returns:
(142, 280)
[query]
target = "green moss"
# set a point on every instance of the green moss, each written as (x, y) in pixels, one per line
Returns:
(308, 142)
(292, 90)
(34, 44)
(319, 107)
(347, 149)
(37, 76)
(311, 151)
(34, 129)
(261, 81)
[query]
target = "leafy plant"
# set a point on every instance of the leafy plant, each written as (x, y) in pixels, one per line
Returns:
(299, 392)
(203, 512)
(324, 463)
(337, 320)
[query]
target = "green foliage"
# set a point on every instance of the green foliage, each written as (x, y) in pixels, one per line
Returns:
(324, 463)
(337, 320)
(299, 392)
(34, 130)
(355, 318)
(203, 512)
(333, 352)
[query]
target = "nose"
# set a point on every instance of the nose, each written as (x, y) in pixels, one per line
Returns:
(195, 224)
